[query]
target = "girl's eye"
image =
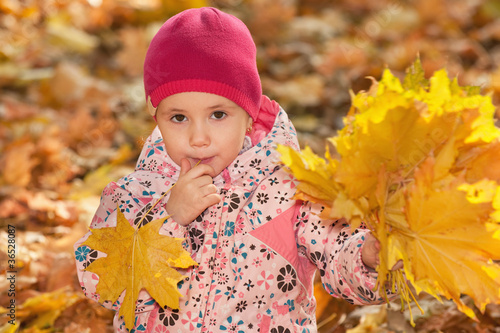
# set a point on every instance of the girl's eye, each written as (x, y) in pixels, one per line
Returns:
(218, 114)
(178, 118)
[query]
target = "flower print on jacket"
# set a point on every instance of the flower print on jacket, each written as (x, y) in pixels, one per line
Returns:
(287, 278)
(282, 197)
(267, 253)
(81, 253)
(239, 252)
(234, 202)
(190, 321)
(262, 197)
(233, 325)
(281, 329)
(255, 163)
(168, 316)
(196, 236)
(265, 280)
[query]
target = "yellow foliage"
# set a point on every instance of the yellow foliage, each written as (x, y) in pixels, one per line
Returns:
(419, 164)
(136, 259)
(41, 311)
(370, 322)
(313, 172)
(448, 242)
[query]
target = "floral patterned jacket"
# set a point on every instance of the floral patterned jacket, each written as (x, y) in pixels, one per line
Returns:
(258, 250)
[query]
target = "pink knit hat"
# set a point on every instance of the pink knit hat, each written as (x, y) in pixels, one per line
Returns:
(203, 50)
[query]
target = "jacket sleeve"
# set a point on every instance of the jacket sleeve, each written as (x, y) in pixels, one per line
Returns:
(336, 252)
(115, 196)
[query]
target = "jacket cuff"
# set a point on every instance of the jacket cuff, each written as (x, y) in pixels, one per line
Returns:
(365, 270)
(367, 275)
(174, 229)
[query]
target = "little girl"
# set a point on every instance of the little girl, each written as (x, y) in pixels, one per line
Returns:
(257, 248)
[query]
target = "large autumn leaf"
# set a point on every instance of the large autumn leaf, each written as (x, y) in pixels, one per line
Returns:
(136, 259)
(416, 163)
(447, 247)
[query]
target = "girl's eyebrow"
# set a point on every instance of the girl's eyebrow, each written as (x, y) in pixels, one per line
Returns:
(174, 109)
(221, 105)
(213, 107)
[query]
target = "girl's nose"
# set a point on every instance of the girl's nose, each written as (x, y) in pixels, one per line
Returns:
(200, 136)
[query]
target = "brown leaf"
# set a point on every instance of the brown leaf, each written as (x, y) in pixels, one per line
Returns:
(135, 44)
(53, 212)
(14, 109)
(268, 20)
(85, 316)
(445, 318)
(56, 167)
(10, 208)
(17, 163)
(490, 31)
(71, 86)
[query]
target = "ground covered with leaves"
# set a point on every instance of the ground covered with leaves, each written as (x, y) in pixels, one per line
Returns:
(73, 118)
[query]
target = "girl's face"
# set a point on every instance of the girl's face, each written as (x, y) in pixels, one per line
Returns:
(201, 126)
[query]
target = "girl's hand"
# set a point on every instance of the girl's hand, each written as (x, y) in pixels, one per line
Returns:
(370, 253)
(192, 194)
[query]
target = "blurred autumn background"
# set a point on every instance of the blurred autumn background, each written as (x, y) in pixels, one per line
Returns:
(72, 119)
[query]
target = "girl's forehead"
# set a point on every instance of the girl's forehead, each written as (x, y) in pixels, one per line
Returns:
(186, 101)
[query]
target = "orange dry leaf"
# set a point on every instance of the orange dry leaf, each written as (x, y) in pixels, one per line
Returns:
(482, 162)
(40, 311)
(17, 163)
(136, 259)
(135, 45)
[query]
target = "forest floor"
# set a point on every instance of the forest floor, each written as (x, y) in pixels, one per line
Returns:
(73, 118)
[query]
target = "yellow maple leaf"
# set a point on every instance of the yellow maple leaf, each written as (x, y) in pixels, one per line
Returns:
(446, 243)
(136, 259)
(39, 313)
(313, 172)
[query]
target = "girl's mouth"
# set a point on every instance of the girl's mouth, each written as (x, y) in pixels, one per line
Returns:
(206, 160)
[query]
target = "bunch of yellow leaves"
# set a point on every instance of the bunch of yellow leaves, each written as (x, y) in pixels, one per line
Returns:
(419, 164)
